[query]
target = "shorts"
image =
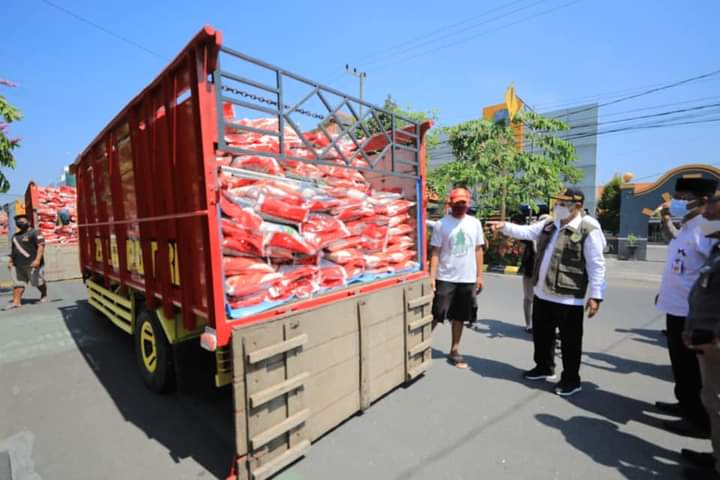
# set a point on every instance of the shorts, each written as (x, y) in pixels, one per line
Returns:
(21, 276)
(454, 301)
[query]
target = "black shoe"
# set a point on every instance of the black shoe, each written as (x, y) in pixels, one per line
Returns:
(538, 373)
(701, 459)
(671, 408)
(700, 474)
(687, 429)
(565, 389)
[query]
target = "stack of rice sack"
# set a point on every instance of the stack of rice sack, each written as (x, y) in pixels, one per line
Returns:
(308, 228)
(54, 203)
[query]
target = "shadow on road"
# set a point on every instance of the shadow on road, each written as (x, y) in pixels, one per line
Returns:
(500, 329)
(626, 366)
(197, 425)
(602, 441)
(615, 407)
(645, 335)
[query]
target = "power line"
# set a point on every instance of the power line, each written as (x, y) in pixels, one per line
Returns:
(426, 38)
(502, 27)
(648, 92)
(561, 104)
(103, 29)
(563, 134)
(456, 32)
(435, 32)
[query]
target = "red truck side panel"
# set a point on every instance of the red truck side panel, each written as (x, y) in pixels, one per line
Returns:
(146, 191)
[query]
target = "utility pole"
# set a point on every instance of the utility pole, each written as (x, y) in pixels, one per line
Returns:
(361, 77)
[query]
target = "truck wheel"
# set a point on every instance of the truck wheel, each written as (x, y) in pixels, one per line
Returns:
(153, 353)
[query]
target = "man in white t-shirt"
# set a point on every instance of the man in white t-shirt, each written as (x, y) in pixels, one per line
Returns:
(456, 269)
(686, 254)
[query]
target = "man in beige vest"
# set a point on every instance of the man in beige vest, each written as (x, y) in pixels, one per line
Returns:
(569, 266)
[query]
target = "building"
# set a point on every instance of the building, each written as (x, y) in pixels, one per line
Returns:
(582, 121)
(637, 200)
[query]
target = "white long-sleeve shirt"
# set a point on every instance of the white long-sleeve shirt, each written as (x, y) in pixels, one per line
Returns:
(592, 249)
(686, 254)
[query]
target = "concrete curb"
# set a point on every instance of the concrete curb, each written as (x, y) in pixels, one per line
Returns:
(503, 270)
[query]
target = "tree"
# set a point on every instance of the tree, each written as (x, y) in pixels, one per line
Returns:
(8, 114)
(384, 120)
(488, 161)
(609, 206)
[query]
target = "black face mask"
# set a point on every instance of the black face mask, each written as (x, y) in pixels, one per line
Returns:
(458, 210)
(23, 226)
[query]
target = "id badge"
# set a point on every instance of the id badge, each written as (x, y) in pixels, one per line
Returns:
(678, 266)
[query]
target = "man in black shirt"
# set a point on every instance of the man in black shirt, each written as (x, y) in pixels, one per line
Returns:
(26, 261)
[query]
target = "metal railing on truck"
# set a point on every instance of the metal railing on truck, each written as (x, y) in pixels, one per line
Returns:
(147, 197)
(391, 145)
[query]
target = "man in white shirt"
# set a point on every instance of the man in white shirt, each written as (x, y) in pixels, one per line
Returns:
(687, 253)
(456, 269)
(569, 265)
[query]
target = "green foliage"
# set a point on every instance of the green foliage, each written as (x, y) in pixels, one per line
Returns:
(383, 122)
(8, 114)
(488, 161)
(609, 206)
(632, 240)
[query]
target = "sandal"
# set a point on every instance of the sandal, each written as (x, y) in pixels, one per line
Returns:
(456, 360)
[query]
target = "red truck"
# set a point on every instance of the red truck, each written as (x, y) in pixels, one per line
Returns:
(271, 220)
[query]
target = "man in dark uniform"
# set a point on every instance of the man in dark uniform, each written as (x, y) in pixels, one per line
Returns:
(26, 261)
(702, 333)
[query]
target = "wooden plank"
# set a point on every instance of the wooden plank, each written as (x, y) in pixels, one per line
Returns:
(288, 424)
(255, 337)
(324, 389)
(240, 416)
(420, 348)
(386, 356)
(271, 393)
(364, 389)
(381, 333)
(414, 372)
(333, 415)
(412, 326)
(387, 381)
(269, 352)
(267, 470)
(295, 368)
(327, 323)
(332, 353)
(420, 301)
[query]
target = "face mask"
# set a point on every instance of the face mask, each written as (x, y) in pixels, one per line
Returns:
(458, 210)
(22, 226)
(710, 227)
(561, 212)
(678, 208)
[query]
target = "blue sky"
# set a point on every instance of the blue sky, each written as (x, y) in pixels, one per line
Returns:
(73, 78)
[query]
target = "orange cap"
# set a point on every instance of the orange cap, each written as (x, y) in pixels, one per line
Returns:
(459, 195)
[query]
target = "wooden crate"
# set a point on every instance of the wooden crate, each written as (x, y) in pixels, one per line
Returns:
(300, 375)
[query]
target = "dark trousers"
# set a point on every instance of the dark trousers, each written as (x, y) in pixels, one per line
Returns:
(547, 317)
(686, 372)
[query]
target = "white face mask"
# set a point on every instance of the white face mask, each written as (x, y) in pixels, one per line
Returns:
(561, 212)
(709, 227)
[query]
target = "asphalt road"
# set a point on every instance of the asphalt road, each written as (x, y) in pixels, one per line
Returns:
(73, 407)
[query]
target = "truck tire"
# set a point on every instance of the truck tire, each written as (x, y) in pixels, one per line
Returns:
(153, 353)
